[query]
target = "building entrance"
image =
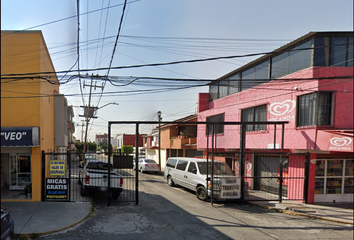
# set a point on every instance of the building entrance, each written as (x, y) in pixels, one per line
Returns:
(20, 171)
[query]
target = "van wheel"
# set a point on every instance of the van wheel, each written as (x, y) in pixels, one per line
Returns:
(201, 193)
(170, 181)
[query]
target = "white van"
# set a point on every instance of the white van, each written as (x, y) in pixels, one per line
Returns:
(191, 173)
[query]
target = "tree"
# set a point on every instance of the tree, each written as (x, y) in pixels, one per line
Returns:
(92, 146)
(127, 149)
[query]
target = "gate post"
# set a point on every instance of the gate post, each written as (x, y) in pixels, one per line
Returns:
(281, 165)
(109, 165)
(307, 172)
(136, 163)
(242, 160)
(68, 162)
(43, 177)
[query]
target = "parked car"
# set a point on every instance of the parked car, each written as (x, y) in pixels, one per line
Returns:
(98, 152)
(89, 156)
(147, 165)
(191, 173)
(93, 176)
(7, 224)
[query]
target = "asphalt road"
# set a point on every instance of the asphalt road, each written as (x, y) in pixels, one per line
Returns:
(175, 213)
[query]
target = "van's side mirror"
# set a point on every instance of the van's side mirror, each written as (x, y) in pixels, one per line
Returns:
(194, 171)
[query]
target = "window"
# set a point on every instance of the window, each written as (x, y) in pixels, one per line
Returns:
(314, 109)
(252, 77)
(333, 51)
(296, 59)
(334, 176)
(171, 163)
(223, 88)
(213, 92)
(234, 83)
(254, 114)
(192, 168)
(219, 129)
(338, 51)
(181, 165)
(98, 165)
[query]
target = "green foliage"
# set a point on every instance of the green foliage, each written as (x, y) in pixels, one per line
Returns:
(90, 146)
(127, 149)
(79, 146)
(34, 236)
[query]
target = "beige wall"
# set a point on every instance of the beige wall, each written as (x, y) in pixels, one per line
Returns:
(26, 52)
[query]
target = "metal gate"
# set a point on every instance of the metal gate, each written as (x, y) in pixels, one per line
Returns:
(61, 178)
(267, 182)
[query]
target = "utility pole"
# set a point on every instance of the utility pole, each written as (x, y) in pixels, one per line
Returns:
(89, 111)
(82, 129)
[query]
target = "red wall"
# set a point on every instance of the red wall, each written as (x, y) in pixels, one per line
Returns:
(280, 97)
(129, 139)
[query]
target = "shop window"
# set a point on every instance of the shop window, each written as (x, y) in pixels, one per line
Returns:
(334, 176)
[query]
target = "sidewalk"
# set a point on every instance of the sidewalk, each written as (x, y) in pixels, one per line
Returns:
(48, 217)
(334, 212)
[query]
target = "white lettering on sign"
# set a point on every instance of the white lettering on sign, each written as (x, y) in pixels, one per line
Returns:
(340, 141)
(281, 108)
(13, 135)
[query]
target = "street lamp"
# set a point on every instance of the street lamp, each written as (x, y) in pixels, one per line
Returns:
(114, 103)
(91, 114)
(159, 116)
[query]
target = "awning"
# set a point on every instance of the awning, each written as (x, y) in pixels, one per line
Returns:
(335, 140)
(19, 136)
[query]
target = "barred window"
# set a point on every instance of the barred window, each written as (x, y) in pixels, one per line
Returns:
(255, 114)
(314, 109)
(219, 129)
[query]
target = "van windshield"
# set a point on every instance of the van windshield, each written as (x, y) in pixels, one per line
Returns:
(220, 168)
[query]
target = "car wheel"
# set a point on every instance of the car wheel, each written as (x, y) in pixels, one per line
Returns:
(115, 194)
(201, 193)
(141, 170)
(83, 191)
(170, 181)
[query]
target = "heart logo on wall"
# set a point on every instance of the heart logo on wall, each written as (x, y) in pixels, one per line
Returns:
(340, 141)
(281, 108)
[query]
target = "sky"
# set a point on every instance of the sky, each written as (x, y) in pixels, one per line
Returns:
(160, 31)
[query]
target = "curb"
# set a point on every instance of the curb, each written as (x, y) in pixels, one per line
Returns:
(305, 215)
(88, 215)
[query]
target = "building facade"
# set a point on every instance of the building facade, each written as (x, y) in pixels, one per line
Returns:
(309, 83)
(27, 111)
(177, 140)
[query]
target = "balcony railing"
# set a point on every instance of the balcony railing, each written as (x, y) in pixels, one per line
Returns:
(178, 143)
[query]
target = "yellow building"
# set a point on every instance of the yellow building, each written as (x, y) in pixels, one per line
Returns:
(27, 112)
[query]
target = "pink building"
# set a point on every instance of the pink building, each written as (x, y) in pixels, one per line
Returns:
(309, 83)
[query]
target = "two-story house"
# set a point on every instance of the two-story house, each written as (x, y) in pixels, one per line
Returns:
(27, 112)
(177, 140)
(309, 83)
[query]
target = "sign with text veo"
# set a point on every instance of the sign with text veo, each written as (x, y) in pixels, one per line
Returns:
(57, 188)
(57, 167)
